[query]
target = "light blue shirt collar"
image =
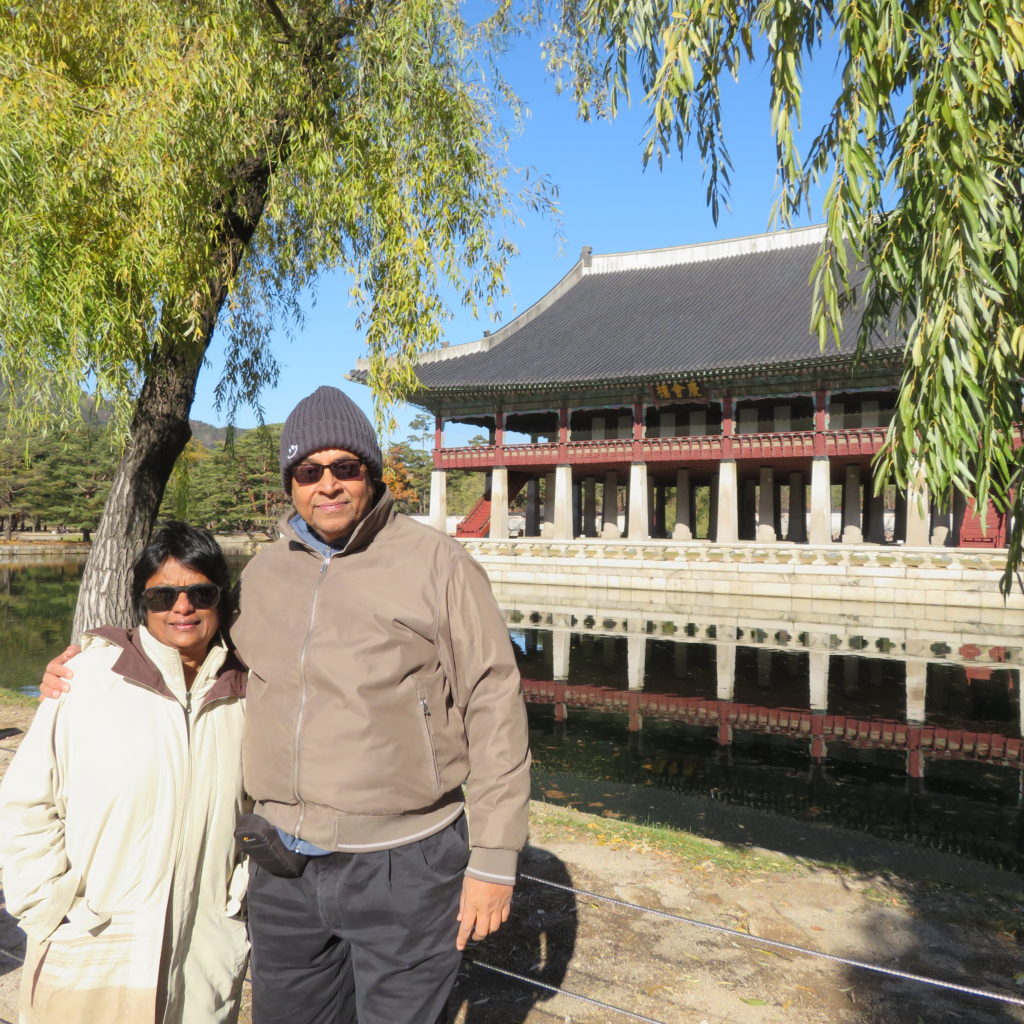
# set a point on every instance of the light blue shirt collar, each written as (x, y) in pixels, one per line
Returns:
(309, 536)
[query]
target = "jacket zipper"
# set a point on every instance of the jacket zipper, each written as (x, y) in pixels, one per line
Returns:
(430, 742)
(300, 715)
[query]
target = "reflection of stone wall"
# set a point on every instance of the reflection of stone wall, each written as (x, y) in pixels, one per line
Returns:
(938, 592)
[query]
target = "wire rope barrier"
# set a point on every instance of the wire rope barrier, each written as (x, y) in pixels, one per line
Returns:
(788, 947)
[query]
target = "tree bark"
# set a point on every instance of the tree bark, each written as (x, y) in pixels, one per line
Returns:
(159, 433)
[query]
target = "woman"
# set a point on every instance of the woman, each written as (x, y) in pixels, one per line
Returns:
(117, 813)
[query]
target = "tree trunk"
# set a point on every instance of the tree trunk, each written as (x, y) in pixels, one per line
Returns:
(160, 428)
(159, 433)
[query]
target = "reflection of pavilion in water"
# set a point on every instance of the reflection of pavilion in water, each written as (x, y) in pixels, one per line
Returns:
(722, 703)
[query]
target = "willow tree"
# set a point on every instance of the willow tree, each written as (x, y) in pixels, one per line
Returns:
(168, 167)
(921, 159)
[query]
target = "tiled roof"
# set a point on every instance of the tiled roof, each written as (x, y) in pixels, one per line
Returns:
(689, 310)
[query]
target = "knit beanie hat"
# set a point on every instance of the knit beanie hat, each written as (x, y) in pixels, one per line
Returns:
(328, 418)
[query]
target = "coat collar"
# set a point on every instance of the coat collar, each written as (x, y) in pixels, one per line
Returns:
(135, 664)
(382, 512)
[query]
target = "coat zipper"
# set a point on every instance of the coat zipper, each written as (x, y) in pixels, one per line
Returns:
(300, 715)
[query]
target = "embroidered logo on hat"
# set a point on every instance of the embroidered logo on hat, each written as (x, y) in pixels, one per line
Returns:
(293, 450)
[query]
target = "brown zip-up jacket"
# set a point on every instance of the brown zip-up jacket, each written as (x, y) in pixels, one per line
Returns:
(382, 681)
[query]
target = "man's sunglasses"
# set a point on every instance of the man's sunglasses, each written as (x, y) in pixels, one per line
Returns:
(163, 599)
(307, 473)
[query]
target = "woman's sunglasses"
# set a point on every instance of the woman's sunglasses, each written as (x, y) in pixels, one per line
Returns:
(163, 599)
(307, 473)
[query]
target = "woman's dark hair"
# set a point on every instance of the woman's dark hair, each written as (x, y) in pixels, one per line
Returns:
(195, 549)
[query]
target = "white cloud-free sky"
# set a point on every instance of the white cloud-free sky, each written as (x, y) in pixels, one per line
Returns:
(607, 200)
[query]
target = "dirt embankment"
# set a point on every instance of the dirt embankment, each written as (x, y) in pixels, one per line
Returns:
(938, 916)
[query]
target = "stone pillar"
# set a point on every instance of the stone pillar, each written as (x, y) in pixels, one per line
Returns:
(821, 501)
(532, 528)
(590, 507)
(638, 527)
(563, 503)
(818, 672)
(660, 527)
(917, 514)
(499, 503)
(684, 524)
(713, 507)
(547, 526)
(959, 513)
(917, 687)
(797, 531)
(874, 514)
(610, 506)
(636, 655)
(766, 507)
(852, 533)
(940, 526)
(727, 501)
(725, 662)
(439, 500)
(748, 510)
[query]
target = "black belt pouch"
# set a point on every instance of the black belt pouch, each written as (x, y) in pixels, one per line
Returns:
(257, 838)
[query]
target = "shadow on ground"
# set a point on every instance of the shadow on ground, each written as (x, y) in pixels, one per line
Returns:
(538, 941)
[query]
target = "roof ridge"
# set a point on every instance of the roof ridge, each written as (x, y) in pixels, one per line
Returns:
(701, 252)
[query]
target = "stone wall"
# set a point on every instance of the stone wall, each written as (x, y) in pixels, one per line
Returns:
(935, 593)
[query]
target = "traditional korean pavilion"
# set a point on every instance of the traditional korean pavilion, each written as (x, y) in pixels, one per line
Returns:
(642, 378)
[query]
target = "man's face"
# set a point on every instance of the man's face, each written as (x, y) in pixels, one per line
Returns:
(332, 507)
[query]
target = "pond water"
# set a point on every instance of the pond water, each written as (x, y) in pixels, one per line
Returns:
(923, 749)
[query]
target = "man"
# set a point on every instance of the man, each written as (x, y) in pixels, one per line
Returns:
(381, 682)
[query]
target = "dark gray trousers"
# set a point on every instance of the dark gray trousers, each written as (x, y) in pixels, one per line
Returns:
(367, 937)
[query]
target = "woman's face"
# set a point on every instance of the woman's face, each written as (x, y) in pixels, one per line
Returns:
(184, 626)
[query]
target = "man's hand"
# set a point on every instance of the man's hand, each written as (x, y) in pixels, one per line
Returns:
(55, 677)
(483, 908)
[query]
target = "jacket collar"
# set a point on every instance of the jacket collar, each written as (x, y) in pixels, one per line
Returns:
(135, 664)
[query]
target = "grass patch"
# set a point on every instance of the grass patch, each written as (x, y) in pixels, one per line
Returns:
(549, 822)
(13, 699)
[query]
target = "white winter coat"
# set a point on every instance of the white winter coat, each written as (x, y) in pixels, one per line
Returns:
(116, 837)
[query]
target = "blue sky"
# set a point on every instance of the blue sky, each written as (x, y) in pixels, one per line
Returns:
(607, 200)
